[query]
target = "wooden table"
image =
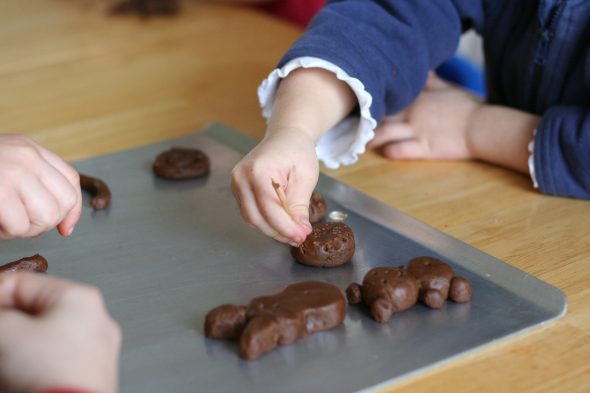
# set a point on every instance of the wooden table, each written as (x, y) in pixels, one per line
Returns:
(84, 84)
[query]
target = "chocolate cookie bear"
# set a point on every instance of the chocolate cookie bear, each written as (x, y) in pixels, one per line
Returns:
(280, 319)
(386, 290)
(438, 282)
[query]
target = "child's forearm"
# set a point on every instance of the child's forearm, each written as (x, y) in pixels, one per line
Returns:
(311, 101)
(501, 135)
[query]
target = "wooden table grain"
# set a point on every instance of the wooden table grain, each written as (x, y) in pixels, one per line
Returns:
(84, 84)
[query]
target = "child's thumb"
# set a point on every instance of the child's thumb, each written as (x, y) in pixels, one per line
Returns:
(298, 205)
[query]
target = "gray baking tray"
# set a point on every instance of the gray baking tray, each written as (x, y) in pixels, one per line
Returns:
(166, 252)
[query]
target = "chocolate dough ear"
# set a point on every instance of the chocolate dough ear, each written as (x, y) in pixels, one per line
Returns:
(261, 335)
(353, 293)
(225, 322)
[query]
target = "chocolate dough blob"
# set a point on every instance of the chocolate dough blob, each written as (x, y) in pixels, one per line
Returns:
(386, 291)
(101, 195)
(179, 163)
(330, 244)
(280, 319)
(438, 282)
(317, 208)
(36, 263)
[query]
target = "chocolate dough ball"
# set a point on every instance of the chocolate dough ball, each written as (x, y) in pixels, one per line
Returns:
(330, 244)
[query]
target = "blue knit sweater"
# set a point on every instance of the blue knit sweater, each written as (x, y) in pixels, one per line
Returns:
(537, 60)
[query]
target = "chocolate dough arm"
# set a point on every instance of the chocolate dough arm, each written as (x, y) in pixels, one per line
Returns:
(35, 263)
(101, 195)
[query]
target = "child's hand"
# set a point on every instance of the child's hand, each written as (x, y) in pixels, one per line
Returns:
(288, 157)
(55, 334)
(38, 190)
(435, 126)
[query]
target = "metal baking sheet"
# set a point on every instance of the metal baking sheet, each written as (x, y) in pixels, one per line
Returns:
(166, 252)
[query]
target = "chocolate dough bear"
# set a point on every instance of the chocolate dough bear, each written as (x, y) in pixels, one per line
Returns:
(268, 321)
(438, 282)
(386, 290)
(389, 290)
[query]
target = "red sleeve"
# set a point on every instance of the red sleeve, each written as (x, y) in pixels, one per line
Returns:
(296, 11)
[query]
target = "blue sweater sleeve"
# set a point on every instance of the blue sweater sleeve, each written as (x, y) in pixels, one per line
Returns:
(562, 152)
(389, 45)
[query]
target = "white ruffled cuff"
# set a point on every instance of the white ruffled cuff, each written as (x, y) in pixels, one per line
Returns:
(343, 143)
(531, 148)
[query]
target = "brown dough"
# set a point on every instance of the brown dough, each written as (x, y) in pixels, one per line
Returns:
(36, 263)
(435, 279)
(317, 208)
(386, 291)
(179, 163)
(280, 319)
(101, 195)
(460, 291)
(330, 244)
(146, 8)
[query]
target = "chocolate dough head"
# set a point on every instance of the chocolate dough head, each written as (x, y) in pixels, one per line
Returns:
(280, 319)
(435, 281)
(36, 263)
(385, 291)
(330, 244)
(225, 322)
(317, 208)
(179, 163)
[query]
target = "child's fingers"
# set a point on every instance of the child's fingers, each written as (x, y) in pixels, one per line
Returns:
(41, 206)
(249, 209)
(14, 220)
(298, 194)
(391, 132)
(36, 293)
(411, 149)
(70, 197)
(273, 212)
